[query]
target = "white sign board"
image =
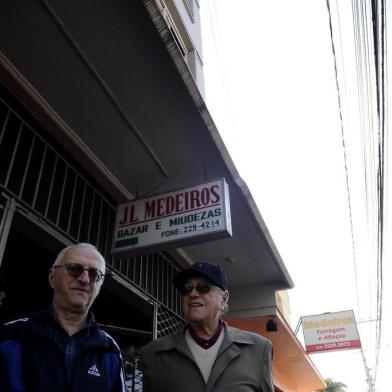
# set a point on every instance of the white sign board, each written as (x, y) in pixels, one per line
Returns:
(183, 217)
(330, 332)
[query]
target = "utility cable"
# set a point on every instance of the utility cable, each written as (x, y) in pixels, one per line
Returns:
(368, 131)
(344, 153)
(217, 38)
(380, 65)
(369, 380)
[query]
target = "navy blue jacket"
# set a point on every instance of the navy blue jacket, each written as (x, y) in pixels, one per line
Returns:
(31, 362)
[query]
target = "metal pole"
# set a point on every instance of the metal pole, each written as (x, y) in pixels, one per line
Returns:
(298, 325)
(5, 225)
(155, 322)
(369, 378)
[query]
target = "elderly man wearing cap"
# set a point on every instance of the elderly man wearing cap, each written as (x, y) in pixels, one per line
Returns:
(207, 355)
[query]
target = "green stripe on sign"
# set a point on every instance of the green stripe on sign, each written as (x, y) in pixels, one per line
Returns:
(127, 242)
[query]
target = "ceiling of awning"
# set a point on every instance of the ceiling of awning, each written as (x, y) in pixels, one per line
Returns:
(124, 101)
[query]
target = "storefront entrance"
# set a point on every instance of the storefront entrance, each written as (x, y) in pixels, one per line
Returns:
(28, 256)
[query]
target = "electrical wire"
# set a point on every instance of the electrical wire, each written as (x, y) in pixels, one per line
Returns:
(217, 38)
(342, 128)
(367, 114)
(369, 21)
(381, 67)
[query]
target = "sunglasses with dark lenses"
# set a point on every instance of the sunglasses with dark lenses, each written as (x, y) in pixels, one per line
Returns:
(201, 288)
(75, 270)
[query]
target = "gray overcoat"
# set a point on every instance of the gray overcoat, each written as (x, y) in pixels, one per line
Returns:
(243, 364)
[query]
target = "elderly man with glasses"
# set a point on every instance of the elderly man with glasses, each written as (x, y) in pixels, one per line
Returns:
(207, 355)
(62, 348)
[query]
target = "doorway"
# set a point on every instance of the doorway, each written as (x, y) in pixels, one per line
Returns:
(28, 256)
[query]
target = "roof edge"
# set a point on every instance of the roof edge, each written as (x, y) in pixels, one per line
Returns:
(201, 106)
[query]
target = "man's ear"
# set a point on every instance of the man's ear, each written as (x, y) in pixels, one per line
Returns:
(50, 278)
(226, 296)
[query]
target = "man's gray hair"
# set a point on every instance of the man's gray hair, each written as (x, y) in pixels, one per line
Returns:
(225, 309)
(60, 257)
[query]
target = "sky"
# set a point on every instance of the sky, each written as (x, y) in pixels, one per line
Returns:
(271, 90)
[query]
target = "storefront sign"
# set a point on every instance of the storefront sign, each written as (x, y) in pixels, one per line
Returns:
(330, 332)
(183, 217)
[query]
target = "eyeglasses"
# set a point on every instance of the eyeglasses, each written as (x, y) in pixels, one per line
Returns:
(75, 270)
(201, 288)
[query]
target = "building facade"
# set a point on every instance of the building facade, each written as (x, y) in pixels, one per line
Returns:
(102, 103)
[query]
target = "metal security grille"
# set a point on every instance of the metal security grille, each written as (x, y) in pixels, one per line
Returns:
(3, 202)
(41, 176)
(36, 174)
(167, 322)
(153, 274)
(133, 373)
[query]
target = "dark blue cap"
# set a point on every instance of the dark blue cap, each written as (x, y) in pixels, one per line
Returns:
(205, 269)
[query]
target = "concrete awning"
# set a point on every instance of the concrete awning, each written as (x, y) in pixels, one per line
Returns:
(129, 110)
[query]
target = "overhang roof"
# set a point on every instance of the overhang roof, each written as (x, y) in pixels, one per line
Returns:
(129, 109)
(293, 370)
